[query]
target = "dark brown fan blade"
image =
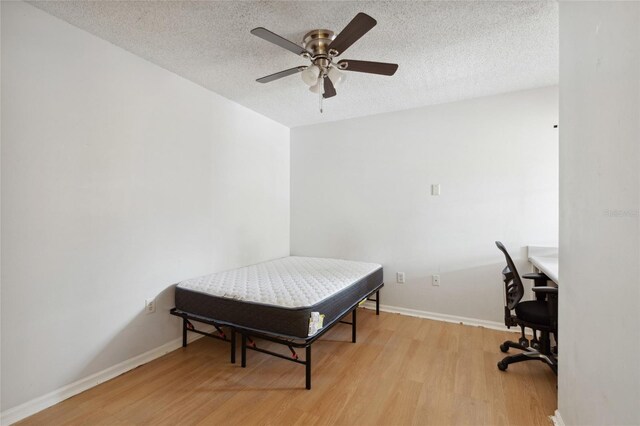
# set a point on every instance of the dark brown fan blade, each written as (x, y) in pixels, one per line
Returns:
(355, 29)
(280, 74)
(329, 90)
(274, 38)
(369, 67)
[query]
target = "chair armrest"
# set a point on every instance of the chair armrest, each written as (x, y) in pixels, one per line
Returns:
(546, 290)
(539, 280)
(535, 276)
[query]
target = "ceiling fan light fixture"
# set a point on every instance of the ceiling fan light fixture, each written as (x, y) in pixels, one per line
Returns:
(310, 75)
(336, 76)
(318, 87)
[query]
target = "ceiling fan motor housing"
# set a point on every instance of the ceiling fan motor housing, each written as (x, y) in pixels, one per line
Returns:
(317, 41)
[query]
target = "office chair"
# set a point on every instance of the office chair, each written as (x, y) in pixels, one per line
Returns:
(540, 315)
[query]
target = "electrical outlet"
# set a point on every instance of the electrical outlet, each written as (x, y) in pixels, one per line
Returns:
(400, 277)
(435, 280)
(149, 306)
(435, 189)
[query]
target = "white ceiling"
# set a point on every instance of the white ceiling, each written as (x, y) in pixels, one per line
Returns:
(447, 51)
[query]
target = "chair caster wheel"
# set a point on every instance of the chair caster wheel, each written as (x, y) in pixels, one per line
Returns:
(502, 366)
(504, 348)
(523, 342)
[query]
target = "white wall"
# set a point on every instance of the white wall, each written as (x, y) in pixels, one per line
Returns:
(599, 371)
(119, 179)
(360, 189)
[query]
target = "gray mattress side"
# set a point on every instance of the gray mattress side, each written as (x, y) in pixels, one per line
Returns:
(293, 322)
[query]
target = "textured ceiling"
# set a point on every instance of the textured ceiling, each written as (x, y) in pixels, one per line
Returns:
(447, 51)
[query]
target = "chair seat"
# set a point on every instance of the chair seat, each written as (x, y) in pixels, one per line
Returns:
(534, 311)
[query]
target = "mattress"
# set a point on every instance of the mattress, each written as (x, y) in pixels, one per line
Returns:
(278, 296)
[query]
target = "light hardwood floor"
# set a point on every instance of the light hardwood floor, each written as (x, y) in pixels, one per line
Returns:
(403, 370)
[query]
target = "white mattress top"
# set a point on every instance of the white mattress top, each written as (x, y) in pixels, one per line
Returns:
(291, 282)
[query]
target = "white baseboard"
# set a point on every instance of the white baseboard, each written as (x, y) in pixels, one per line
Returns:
(29, 408)
(440, 317)
(557, 419)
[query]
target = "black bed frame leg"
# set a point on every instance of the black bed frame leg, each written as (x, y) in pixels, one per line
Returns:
(353, 325)
(243, 351)
(308, 367)
(378, 302)
(233, 346)
(184, 332)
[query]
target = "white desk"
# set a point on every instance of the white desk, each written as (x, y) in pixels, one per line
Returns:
(545, 259)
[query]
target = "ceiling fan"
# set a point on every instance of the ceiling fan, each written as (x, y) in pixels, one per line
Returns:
(321, 47)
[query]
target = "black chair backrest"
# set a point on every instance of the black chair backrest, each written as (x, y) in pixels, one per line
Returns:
(514, 290)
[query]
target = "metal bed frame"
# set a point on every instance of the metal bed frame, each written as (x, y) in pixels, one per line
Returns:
(290, 342)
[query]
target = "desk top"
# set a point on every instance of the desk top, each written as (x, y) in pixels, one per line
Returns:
(546, 260)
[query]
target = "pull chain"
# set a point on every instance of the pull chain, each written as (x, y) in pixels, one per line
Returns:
(320, 81)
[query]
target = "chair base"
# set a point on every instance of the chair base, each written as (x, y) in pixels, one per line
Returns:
(529, 354)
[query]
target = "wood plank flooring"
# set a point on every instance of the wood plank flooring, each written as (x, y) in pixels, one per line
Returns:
(402, 371)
